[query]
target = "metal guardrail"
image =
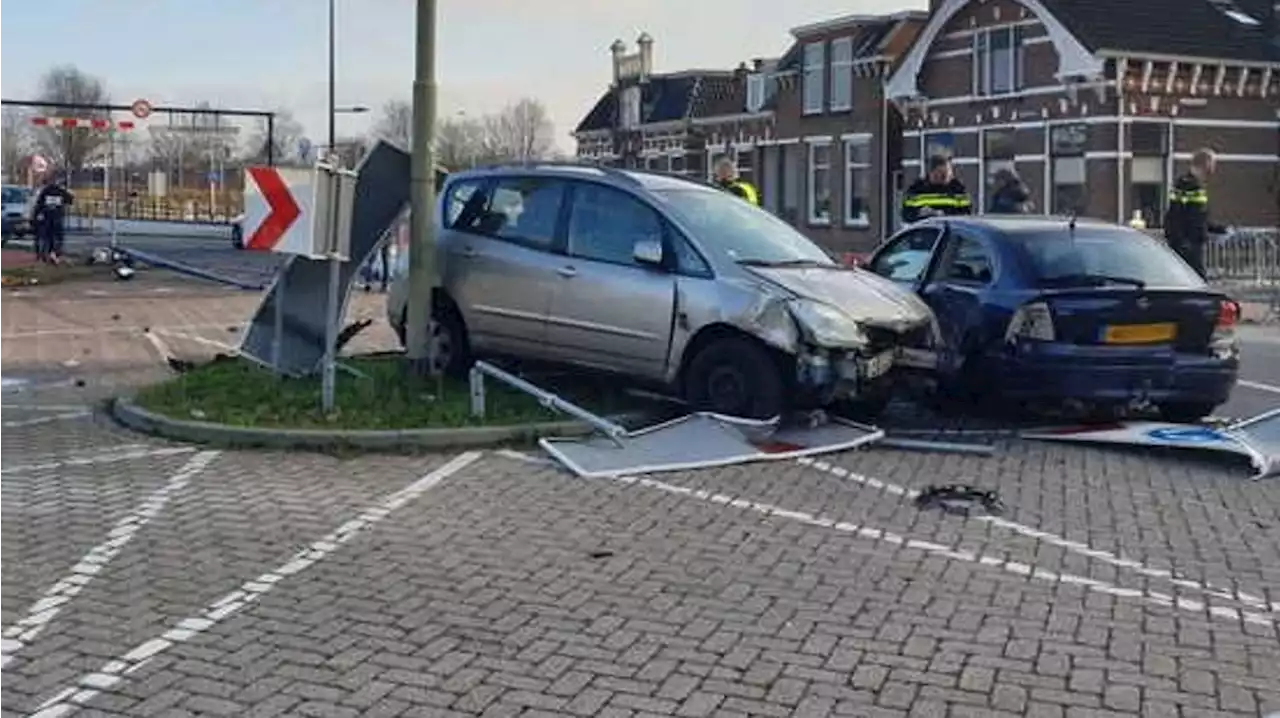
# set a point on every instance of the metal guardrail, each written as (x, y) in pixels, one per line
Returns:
(1250, 257)
(156, 209)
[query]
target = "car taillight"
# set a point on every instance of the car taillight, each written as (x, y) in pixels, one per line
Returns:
(1228, 318)
(1032, 321)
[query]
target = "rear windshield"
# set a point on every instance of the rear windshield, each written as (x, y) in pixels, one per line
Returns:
(1097, 256)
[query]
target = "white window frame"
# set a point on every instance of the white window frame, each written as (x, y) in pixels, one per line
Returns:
(755, 92)
(982, 57)
(851, 167)
(813, 79)
(811, 168)
(750, 170)
(841, 74)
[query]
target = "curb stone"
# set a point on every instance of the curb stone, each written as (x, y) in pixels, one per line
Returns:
(132, 416)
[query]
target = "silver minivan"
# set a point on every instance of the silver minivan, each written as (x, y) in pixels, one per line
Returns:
(664, 280)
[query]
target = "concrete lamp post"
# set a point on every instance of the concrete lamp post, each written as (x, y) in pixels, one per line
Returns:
(420, 323)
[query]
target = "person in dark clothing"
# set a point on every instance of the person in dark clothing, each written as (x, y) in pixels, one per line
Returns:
(1011, 195)
(727, 179)
(50, 209)
(937, 193)
(1186, 223)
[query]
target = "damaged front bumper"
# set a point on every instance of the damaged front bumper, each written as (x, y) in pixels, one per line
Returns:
(829, 375)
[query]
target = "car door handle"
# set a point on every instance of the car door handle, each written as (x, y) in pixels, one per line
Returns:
(567, 271)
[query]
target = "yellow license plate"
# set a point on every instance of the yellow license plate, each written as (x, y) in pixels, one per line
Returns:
(1140, 333)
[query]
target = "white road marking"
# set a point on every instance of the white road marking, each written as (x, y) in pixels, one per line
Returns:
(197, 339)
(1076, 547)
(114, 672)
(1271, 388)
(1020, 569)
(166, 354)
(54, 598)
(48, 419)
(124, 453)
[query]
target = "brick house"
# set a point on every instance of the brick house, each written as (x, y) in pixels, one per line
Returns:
(1098, 104)
(837, 155)
(672, 122)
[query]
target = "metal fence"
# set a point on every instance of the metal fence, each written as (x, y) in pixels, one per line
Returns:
(159, 208)
(1247, 257)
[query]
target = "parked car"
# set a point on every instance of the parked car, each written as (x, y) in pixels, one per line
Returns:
(1049, 309)
(661, 279)
(17, 212)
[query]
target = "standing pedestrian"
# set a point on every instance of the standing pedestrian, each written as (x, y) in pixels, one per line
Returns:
(728, 180)
(1010, 194)
(50, 208)
(1186, 222)
(937, 193)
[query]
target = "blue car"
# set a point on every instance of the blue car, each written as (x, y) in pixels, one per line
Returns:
(1052, 310)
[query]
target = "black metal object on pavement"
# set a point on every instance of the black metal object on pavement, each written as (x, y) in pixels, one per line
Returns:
(189, 270)
(960, 500)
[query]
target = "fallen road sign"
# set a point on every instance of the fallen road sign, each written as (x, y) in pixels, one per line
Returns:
(274, 200)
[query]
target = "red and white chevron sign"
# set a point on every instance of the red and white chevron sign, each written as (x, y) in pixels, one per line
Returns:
(275, 202)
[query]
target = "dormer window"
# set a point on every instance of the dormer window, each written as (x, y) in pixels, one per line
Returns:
(815, 56)
(842, 74)
(997, 61)
(755, 91)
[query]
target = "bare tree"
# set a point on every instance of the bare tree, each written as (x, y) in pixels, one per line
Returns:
(350, 150)
(460, 143)
(396, 124)
(522, 131)
(69, 147)
(15, 143)
(284, 140)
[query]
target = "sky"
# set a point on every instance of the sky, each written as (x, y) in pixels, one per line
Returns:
(272, 54)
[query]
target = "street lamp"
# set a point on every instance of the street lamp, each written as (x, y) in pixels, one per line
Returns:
(352, 110)
(421, 347)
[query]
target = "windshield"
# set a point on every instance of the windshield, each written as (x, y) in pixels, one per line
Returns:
(15, 195)
(724, 222)
(1104, 256)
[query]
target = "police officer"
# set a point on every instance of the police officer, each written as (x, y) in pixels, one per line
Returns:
(937, 193)
(49, 212)
(1186, 222)
(727, 179)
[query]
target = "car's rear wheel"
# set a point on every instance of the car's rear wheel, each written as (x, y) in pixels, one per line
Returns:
(1186, 412)
(735, 377)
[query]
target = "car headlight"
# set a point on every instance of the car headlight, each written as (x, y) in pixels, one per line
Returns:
(826, 325)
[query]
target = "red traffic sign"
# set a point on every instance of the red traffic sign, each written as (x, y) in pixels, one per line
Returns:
(282, 209)
(141, 109)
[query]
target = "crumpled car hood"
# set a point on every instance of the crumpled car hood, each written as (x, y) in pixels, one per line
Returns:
(866, 297)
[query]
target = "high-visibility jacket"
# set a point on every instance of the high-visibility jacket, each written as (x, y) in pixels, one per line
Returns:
(743, 189)
(950, 198)
(1186, 222)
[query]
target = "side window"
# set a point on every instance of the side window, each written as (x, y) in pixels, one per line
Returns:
(605, 224)
(970, 263)
(907, 257)
(688, 261)
(520, 209)
(464, 202)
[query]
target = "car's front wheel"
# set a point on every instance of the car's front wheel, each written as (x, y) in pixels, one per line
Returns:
(735, 377)
(453, 347)
(1186, 412)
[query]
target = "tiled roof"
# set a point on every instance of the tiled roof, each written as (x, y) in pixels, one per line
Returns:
(707, 93)
(866, 43)
(662, 98)
(1194, 28)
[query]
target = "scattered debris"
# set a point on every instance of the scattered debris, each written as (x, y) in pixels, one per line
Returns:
(960, 500)
(602, 553)
(349, 332)
(180, 366)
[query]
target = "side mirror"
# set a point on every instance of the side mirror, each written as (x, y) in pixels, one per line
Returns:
(648, 252)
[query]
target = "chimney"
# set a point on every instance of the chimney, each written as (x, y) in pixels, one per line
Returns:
(645, 41)
(741, 71)
(616, 49)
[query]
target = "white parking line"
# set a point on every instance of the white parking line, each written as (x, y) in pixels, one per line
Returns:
(1152, 597)
(52, 600)
(1076, 547)
(1271, 388)
(113, 672)
(48, 419)
(123, 453)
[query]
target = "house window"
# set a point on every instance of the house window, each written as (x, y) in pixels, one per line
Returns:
(755, 92)
(997, 61)
(814, 58)
(998, 152)
(1067, 145)
(1148, 184)
(820, 182)
(842, 74)
(677, 164)
(857, 182)
(747, 165)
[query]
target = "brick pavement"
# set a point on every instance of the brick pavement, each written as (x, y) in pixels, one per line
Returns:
(512, 588)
